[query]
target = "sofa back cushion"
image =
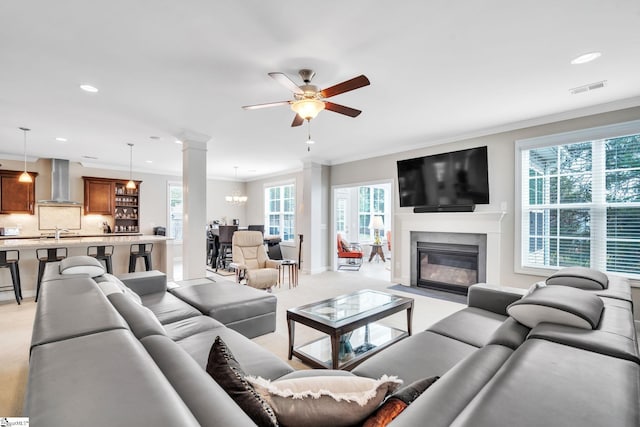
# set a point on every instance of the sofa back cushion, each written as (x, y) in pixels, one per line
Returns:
(579, 277)
(558, 304)
(82, 265)
(141, 320)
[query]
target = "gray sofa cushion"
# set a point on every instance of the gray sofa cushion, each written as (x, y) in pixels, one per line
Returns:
(168, 308)
(254, 359)
(510, 334)
(184, 328)
(493, 298)
(141, 320)
(445, 399)
(72, 308)
(227, 302)
(145, 282)
(81, 265)
(558, 304)
(550, 384)
(101, 380)
(470, 325)
(615, 335)
(426, 354)
(209, 403)
(579, 277)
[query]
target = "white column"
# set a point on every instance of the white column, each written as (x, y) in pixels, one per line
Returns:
(312, 226)
(194, 193)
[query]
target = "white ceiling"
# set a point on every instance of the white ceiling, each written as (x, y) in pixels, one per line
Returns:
(439, 70)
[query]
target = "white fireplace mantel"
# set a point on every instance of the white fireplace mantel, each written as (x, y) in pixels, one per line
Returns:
(488, 223)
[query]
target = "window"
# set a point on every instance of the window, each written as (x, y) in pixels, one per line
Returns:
(280, 206)
(175, 210)
(580, 200)
(371, 202)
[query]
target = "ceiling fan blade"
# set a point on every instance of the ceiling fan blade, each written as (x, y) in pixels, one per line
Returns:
(337, 108)
(267, 105)
(285, 81)
(346, 86)
(297, 121)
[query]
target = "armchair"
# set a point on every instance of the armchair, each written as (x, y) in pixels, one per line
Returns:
(251, 260)
(351, 253)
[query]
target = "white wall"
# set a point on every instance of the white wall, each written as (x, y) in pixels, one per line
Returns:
(501, 152)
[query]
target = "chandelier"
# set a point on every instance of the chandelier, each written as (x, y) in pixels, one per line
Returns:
(236, 197)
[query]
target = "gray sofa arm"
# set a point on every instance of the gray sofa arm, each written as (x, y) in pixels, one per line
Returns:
(145, 282)
(493, 298)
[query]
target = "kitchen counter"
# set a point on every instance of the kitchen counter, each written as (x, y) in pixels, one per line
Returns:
(68, 236)
(161, 255)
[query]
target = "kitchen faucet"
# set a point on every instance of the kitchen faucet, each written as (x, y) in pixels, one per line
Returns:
(58, 231)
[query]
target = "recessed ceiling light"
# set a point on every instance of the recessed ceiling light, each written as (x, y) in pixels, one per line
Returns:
(178, 141)
(61, 139)
(587, 57)
(154, 137)
(148, 161)
(89, 88)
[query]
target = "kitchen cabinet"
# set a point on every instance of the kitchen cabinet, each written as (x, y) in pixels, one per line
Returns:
(107, 196)
(16, 196)
(98, 196)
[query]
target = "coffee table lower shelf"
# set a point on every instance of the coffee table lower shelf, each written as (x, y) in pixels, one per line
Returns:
(363, 343)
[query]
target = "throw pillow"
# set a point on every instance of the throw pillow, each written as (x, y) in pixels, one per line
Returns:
(398, 402)
(322, 401)
(226, 371)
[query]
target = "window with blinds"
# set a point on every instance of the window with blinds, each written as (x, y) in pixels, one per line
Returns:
(580, 203)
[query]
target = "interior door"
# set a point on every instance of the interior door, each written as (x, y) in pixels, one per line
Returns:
(342, 215)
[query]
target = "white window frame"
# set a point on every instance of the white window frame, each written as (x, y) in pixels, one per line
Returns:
(521, 223)
(281, 212)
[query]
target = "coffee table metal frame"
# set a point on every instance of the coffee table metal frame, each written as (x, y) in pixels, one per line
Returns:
(335, 329)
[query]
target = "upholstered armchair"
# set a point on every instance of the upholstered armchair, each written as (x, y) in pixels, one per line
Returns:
(251, 260)
(350, 253)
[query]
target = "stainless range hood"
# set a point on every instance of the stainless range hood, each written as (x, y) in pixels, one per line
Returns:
(60, 193)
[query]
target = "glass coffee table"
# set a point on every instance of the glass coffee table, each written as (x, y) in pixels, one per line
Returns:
(350, 323)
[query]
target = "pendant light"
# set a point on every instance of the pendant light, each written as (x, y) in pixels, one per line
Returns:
(24, 176)
(130, 185)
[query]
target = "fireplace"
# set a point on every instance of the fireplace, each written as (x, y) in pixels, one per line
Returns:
(446, 266)
(448, 261)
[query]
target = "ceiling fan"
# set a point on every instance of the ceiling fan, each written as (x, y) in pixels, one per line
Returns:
(309, 100)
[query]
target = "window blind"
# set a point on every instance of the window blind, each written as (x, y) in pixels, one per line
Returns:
(580, 202)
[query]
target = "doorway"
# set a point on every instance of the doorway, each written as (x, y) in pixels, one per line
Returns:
(356, 211)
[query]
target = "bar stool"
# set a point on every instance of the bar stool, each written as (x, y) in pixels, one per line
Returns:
(46, 255)
(102, 253)
(140, 250)
(9, 259)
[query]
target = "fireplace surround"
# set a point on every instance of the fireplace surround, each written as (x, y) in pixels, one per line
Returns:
(446, 228)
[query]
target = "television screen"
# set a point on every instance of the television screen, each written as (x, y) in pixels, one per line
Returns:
(455, 178)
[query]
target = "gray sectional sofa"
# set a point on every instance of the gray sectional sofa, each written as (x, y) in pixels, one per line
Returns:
(104, 354)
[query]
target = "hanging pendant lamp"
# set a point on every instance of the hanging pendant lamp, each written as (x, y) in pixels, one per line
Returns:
(130, 185)
(24, 176)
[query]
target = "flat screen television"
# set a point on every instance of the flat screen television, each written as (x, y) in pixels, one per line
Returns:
(445, 180)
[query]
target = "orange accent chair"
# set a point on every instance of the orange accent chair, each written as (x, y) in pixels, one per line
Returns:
(350, 253)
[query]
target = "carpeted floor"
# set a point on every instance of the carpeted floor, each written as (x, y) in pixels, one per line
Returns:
(16, 323)
(430, 293)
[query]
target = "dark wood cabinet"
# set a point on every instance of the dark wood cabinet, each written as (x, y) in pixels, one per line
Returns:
(98, 196)
(16, 196)
(107, 196)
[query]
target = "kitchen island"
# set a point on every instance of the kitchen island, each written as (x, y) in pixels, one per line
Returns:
(162, 254)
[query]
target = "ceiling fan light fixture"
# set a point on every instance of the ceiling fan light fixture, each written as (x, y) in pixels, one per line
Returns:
(307, 108)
